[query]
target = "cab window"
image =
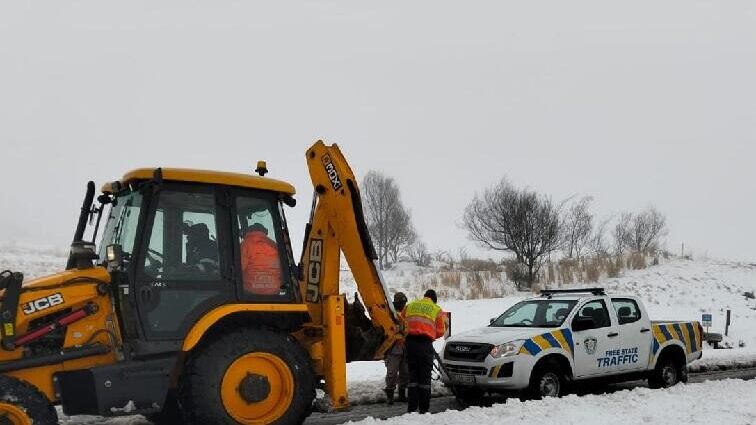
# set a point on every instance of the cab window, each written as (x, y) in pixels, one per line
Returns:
(261, 251)
(627, 310)
(597, 311)
(183, 244)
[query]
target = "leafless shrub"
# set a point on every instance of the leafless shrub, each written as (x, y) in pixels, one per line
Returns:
(419, 254)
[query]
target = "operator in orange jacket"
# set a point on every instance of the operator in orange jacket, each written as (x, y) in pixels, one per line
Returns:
(260, 262)
(425, 322)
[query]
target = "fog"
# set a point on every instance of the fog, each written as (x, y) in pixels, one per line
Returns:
(634, 103)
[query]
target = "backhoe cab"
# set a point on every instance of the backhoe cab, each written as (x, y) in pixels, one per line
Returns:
(194, 308)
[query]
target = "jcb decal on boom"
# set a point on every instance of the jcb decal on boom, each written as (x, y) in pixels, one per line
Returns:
(333, 175)
(314, 270)
(43, 303)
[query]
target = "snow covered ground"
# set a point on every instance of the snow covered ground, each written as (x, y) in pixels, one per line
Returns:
(678, 289)
(727, 402)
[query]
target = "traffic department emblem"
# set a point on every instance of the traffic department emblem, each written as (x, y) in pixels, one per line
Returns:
(590, 345)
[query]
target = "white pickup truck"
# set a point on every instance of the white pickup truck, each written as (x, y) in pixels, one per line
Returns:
(541, 345)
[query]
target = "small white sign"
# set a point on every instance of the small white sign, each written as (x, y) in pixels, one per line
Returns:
(706, 320)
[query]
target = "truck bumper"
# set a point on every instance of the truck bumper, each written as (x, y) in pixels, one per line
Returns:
(505, 374)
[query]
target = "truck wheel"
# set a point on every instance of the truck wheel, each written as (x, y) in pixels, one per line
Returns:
(248, 376)
(667, 373)
(23, 404)
(470, 396)
(546, 381)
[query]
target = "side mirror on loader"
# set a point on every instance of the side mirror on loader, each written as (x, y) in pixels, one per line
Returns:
(114, 257)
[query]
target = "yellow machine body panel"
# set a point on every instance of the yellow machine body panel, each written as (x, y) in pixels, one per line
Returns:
(207, 177)
(70, 290)
(208, 320)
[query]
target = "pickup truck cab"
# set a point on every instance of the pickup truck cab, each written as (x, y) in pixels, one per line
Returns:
(542, 344)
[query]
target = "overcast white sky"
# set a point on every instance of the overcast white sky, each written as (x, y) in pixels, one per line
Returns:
(633, 102)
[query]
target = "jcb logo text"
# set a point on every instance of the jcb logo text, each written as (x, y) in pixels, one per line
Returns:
(42, 304)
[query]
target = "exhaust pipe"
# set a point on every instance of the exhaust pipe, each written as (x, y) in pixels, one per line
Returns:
(86, 207)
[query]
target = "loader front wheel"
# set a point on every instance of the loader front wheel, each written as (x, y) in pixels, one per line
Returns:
(248, 376)
(23, 404)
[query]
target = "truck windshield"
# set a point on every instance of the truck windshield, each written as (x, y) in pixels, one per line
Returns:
(122, 223)
(535, 314)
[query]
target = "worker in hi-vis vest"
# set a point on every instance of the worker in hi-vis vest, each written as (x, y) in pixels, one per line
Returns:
(424, 323)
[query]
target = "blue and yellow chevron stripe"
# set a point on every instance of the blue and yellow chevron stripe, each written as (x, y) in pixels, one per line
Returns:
(560, 338)
(686, 332)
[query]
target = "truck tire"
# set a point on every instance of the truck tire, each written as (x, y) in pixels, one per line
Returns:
(547, 380)
(23, 404)
(469, 396)
(667, 373)
(248, 376)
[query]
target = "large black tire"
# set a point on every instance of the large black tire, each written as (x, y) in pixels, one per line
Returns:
(25, 399)
(668, 372)
(470, 396)
(546, 380)
(201, 384)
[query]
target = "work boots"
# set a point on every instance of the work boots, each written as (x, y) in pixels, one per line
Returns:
(389, 396)
(402, 396)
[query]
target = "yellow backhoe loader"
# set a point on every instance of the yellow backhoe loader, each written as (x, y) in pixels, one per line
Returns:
(193, 309)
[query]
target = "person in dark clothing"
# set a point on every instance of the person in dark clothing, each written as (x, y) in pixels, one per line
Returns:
(425, 323)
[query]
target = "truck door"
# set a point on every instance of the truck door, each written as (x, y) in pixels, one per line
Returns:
(635, 335)
(597, 343)
(183, 269)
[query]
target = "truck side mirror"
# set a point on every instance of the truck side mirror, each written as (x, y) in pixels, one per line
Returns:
(582, 324)
(491, 320)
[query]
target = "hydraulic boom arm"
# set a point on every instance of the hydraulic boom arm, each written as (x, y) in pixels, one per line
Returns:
(341, 333)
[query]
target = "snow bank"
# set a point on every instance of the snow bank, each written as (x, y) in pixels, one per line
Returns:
(728, 402)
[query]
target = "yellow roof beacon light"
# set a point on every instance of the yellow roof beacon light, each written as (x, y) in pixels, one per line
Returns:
(262, 168)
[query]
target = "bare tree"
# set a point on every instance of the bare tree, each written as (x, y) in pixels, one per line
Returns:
(523, 222)
(389, 222)
(622, 232)
(646, 230)
(598, 242)
(640, 232)
(577, 227)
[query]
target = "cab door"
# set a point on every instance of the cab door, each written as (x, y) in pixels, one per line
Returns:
(635, 334)
(595, 344)
(183, 268)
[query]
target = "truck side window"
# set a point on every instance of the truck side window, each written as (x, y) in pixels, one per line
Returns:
(597, 311)
(627, 310)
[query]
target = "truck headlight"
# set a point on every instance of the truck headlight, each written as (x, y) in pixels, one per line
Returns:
(507, 349)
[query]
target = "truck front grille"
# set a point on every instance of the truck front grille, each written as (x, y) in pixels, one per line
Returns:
(467, 351)
(467, 370)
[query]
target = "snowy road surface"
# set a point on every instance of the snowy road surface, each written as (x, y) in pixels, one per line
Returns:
(727, 402)
(516, 412)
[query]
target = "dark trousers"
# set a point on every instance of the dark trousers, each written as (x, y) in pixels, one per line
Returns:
(420, 356)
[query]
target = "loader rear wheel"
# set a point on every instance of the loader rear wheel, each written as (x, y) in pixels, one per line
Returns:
(249, 376)
(23, 404)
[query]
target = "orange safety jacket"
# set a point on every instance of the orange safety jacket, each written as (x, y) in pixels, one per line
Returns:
(423, 317)
(260, 263)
